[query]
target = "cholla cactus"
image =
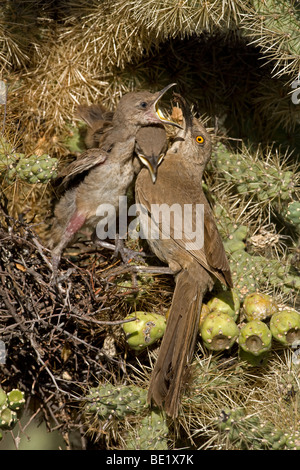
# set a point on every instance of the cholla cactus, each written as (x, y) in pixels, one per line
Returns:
(292, 213)
(248, 431)
(273, 25)
(260, 177)
(32, 169)
(37, 169)
(150, 434)
(109, 400)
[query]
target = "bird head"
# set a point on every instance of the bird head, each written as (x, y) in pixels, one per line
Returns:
(151, 146)
(142, 108)
(196, 139)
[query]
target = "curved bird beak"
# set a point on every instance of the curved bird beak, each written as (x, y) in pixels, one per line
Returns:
(152, 164)
(156, 111)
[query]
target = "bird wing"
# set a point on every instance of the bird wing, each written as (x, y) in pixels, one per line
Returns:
(93, 113)
(85, 162)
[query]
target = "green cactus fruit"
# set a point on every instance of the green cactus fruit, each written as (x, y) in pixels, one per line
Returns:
(3, 397)
(145, 330)
(15, 399)
(226, 302)
(8, 418)
(204, 311)
(219, 331)
(252, 359)
(255, 337)
(285, 326)
(36, 169)
(119, 401)
(258, 306)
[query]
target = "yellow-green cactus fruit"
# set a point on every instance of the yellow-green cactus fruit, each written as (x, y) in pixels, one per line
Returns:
(145, 330)
(219, 331)
(285, 326)
(258, 306)
(255, 337)
(3, 397)
(203, 313)
(8, 418)
(226, 302)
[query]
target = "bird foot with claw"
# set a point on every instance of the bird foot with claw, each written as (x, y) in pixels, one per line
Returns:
(125, 253)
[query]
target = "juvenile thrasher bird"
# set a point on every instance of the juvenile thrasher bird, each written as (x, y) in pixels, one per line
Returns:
(151, 141)
(195, 264)
(107, 171)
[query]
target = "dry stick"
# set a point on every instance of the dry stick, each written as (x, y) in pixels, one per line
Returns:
(40, 250)
(100, 322)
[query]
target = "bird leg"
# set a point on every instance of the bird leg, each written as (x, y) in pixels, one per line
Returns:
(119, 249)
(75, 223)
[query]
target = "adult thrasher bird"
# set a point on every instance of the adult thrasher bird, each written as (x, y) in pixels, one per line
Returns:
(195, 261)
(106, 172)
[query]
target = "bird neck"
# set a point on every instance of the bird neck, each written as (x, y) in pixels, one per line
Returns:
(190, 166)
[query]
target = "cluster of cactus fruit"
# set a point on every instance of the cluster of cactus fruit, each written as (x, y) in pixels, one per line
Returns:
(260, 321)
(248, 431)
(108, 401)
(32, 169)
(11, 403)
(263, 323)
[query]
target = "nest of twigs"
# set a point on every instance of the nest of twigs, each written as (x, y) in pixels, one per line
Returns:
(62, 336)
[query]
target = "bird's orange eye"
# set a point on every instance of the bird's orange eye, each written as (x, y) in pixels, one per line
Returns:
(199, 139)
